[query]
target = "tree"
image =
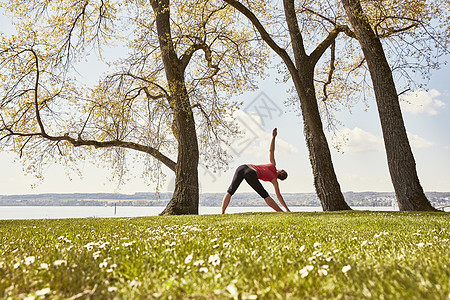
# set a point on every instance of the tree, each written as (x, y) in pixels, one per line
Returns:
(302, 74)
(402, 167)
(416, 45)
(159, 101)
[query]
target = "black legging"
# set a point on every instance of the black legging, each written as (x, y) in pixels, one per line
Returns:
(251, 176)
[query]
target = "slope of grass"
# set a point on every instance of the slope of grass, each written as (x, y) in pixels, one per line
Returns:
(345, 255)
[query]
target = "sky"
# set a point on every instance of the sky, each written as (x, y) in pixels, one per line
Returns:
(360, 166)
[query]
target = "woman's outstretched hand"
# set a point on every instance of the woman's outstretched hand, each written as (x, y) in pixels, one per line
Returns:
(274, 132)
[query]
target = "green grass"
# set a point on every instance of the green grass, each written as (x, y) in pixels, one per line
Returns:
(345, 255)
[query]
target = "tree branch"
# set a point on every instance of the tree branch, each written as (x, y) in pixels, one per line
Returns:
(185, 59)
(394, 31)
(327, 42)
(187, 55)
(114, 143)
(330, 73)
(36, 87)
(294, 31)
(269, 41)
(81, 142)
(166, 94)
(320, 16)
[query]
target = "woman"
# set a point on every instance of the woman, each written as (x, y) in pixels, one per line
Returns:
(253, 173)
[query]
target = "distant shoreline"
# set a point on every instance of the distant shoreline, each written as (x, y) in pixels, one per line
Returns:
(355, 199)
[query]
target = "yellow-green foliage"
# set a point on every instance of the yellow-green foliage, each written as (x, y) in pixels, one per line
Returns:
(133, 102)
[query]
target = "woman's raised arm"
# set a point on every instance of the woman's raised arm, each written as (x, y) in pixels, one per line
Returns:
(272, 147)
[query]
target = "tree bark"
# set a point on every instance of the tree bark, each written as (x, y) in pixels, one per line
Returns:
(325, 181)
(185, 199)
(402, 166)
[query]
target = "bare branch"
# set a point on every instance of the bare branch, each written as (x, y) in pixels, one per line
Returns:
(330, 73)
(270, 42)
(320, 16)
(163, 90)
(329, 40)
(36, 87)
(97, 144)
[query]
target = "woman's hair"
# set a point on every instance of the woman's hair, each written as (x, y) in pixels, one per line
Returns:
(282, 174)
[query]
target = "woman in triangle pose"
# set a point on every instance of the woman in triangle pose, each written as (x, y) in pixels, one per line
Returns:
(253, 173)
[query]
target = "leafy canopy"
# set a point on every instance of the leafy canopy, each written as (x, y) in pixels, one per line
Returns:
(46, 109)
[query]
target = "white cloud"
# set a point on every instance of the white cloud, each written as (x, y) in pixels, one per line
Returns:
(357, 140)
(418, 142)
(422, 101)
(256, 139)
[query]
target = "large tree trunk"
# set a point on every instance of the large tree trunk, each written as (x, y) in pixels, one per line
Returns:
(185, 199)
(402, 167)
(325, 181)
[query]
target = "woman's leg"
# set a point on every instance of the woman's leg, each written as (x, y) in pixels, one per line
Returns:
(237, 179)
(225, 202)
(252, 179)
(272, 203)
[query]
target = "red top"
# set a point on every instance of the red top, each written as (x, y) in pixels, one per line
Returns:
(266, 172)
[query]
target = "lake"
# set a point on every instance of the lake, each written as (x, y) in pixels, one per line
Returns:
(65, 212)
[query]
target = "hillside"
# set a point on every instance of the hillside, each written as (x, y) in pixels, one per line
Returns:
(207, 199)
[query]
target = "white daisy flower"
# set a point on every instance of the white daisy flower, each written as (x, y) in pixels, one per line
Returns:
(214, 260)
(346, 268)
(60, 262)
(188, 259)
(43, 292)
(29, 260)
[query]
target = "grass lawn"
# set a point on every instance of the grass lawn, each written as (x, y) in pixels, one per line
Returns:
(343, 255)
